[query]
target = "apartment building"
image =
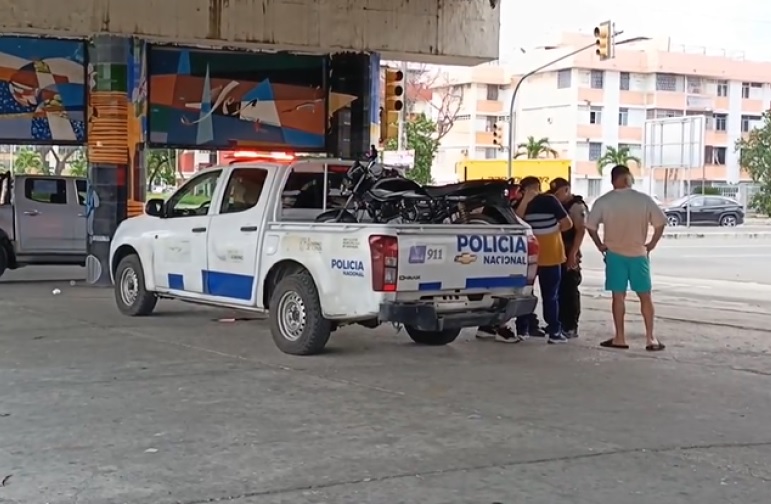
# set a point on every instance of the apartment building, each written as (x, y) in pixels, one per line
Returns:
(584, 106)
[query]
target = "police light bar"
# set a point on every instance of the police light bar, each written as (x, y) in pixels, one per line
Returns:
(239, 156)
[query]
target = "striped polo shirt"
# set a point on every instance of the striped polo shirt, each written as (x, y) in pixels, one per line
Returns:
(543, 214)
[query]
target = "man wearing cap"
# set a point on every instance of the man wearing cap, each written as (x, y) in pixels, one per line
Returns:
(569, 295)
(625, 215)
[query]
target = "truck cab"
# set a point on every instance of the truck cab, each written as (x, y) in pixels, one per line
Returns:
(42, 220)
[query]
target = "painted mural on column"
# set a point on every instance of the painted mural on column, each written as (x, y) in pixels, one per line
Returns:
(42, 90)
(228, 99)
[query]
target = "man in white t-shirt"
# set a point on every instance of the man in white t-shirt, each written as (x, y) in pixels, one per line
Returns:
(625, 215)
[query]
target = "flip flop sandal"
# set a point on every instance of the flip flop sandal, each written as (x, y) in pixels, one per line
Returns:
(656, 348)
(609, 344)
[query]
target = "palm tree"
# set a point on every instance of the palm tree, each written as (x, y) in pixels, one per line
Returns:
(79, 164)
(534, 149)
(29, 161)
(616, 156)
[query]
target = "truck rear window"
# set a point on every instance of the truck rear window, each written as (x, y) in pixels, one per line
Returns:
(46, 190)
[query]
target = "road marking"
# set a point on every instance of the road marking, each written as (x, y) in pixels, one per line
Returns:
(726, 256)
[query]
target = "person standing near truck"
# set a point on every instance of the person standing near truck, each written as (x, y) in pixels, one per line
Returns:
(569, 295)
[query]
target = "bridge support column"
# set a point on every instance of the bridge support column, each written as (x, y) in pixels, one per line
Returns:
(108, 151)
(350, 129)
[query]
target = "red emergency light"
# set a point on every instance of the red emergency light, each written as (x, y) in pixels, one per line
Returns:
(240, 156)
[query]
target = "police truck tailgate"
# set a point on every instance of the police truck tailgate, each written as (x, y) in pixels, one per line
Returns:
(436, 259)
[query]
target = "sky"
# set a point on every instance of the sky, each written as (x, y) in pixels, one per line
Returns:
(734, 25)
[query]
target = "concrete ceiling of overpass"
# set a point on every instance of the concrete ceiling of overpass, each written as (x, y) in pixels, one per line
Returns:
(460, 32)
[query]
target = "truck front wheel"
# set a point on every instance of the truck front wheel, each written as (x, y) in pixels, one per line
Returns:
(432, 338)
(296, 321)
(131, 295)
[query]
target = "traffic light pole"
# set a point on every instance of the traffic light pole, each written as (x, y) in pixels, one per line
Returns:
(512, 119)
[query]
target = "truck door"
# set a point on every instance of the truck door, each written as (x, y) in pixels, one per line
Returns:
(179, 246)
(234, 237)
(43, 220)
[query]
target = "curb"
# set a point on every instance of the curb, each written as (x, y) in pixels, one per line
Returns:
(760, 235)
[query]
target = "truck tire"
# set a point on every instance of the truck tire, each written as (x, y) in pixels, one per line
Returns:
(3, 259)
(131, 295)
(297, 324)
(432, 338)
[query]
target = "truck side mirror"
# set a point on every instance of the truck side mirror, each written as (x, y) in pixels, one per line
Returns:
(154, 207)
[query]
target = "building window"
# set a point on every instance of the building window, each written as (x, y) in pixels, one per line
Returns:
(721, 122)
(722, 88)
(492, 92)
(714, 155)
(490, 124)
(745, 90)
(594, 188)
(695, 85)
(564, 78)
(650, 114)
(598, 79)
(464, 117)
(595, 115)
(666, 113)
(595, 151)
(623, 117)
(491, 152)
(666, 82)
(623, 81)
(749, 123)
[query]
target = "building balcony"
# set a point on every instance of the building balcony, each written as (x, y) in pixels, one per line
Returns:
(630, 134)
(721, 103)
(754, 107)
(716, 138)
(591, 95)
(589, 132)
(669, 100)
(484, 138)
(489, 107)
(701, 103)
(632, 98)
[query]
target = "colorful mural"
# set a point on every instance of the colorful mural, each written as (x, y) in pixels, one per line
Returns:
(226, 99)
(42, 90)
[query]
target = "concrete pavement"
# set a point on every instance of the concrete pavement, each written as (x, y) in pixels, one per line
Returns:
(181, 408)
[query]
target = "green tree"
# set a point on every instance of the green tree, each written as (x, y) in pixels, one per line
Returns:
(29, 161)
(61, 155)
(421, 137)
(79, 164)
(616, 156)
(535, 148)
(161, 167)
(755, 158)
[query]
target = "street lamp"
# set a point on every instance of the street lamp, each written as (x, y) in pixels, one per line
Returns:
(512, 120)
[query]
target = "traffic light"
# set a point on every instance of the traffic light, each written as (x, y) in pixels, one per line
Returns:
(603, 40)
(498, 135)
(393, 104)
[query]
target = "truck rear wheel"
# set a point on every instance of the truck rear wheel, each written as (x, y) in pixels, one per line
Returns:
(3, 259)
(432, 338)
(296, 321)
(131, 295)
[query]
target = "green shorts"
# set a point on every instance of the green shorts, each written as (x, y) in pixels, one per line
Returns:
(623, 273)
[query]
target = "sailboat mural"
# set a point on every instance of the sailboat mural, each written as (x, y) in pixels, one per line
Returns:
(225, 100)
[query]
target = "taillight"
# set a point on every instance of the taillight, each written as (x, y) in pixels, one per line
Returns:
(384, 252)
(532, 259)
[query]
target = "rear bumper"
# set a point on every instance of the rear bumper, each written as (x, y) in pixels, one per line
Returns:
(424, 316)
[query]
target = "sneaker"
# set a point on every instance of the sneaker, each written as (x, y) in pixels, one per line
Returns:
(536, 332)
(571, 334)
(555, 339)
(506, 335)
(485, 332)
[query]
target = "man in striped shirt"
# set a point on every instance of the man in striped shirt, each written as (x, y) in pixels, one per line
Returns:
(548, 218)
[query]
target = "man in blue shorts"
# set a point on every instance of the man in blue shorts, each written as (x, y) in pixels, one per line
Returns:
(625, 216)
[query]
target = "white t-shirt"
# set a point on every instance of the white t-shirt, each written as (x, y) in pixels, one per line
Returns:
(625, 215)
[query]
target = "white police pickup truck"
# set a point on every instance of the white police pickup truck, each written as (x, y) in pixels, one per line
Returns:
(243, 236)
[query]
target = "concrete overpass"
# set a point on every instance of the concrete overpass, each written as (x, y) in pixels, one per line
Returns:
(457, 32)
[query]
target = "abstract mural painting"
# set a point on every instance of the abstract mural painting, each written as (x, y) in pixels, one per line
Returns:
(227, 99)
(42, 90)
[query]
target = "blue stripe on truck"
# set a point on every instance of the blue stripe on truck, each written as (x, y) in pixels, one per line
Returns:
(506, 282)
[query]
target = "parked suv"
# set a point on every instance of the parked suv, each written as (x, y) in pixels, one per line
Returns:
(716, 210)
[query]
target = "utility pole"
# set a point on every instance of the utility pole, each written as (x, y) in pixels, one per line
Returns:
(593, 45)
(400, 140)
